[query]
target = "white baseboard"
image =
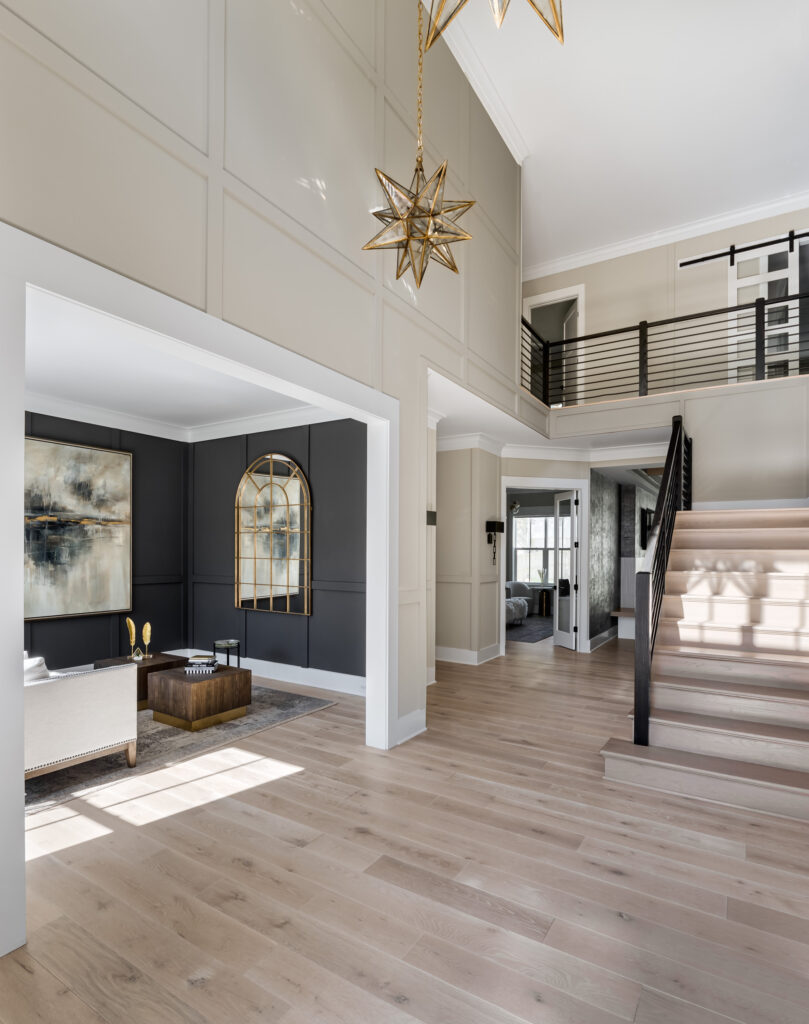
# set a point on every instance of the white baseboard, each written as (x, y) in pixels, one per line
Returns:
(603, 638)
(319, 678)
(411, 725)
(460, 656)
(753, 503)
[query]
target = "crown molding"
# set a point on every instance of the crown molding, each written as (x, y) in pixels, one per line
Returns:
(63, 408)
(434, 418)
(593, 456)
(679, 233)
(460, 442)
(483, 85)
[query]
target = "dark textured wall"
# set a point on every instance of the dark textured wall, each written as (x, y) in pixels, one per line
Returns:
(159, 470)
(605, 548)
(333, 457)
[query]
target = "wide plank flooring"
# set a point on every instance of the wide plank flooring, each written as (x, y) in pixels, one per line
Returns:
(483, 873)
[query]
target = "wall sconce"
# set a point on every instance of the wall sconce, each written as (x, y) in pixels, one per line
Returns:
(514, 508)
(493, 527)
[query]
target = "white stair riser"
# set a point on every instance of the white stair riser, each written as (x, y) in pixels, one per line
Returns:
(738, 638)
(759, 560)
(708, 786)
(775, 586)
(754, 750)
(738, 612)
(746, 539)
(691, 666)
(793, 713)
(721, 519)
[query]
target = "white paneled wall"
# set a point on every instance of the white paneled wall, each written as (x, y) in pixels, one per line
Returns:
(224, 153)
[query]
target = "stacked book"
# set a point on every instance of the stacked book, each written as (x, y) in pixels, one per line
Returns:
(201, 665)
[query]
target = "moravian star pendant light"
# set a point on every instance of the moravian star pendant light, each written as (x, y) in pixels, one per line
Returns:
(443, 11)
(419, 222)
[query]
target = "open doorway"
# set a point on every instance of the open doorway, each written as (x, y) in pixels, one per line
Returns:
(542, 566)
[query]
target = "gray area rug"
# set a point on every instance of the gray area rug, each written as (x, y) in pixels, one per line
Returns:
(533, 629)
(162, 745)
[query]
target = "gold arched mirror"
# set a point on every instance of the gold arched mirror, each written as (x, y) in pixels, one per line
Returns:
(273, 538)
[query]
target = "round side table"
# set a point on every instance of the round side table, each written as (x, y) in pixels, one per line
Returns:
(227, 646)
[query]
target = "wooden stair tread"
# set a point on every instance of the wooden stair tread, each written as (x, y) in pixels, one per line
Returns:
(670, 620)
(707, 764)
(729, 514)
(734, 726)
(731, 689)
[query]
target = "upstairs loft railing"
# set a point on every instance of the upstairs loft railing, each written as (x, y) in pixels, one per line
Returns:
(754, 341)
(674, 496)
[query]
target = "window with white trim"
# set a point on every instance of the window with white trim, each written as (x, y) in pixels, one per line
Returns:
(533, 549)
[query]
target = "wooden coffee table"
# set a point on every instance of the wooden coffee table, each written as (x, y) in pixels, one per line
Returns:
(145, 668)
(197, 702)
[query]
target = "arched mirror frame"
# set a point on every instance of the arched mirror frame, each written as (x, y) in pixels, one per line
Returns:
(288, 529)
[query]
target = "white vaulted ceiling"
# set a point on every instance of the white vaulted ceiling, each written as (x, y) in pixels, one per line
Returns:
(656, 118)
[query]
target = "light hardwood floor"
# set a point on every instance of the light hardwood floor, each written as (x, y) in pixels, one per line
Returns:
(484, 872)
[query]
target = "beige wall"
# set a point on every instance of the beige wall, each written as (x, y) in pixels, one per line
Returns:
(467, 583)
(432, 438)
(224, 153)
(649, 285)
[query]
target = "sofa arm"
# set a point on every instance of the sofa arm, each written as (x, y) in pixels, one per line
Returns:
(74, 717)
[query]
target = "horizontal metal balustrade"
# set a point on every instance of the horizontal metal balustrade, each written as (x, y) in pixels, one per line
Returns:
(754, 341)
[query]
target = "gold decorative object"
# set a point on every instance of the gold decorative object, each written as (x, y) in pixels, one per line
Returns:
(419, 222)
(147, 637)
(133, 636)
(273, 538)
(442, 13)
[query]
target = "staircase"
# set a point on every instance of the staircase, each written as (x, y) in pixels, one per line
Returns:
(729, 717)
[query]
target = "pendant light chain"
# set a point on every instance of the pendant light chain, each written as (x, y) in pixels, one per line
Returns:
(419, 104)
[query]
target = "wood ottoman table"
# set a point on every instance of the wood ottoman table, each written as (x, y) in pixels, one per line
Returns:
(197, 702)
(145, 668)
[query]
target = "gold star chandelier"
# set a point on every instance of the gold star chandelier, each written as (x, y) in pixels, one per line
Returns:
(443, 11)
(419, 222)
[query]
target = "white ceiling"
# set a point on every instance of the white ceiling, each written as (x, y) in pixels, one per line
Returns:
(84, 364)
(654, 116)
(466, 420)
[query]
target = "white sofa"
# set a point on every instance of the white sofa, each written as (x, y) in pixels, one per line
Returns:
(78, 716)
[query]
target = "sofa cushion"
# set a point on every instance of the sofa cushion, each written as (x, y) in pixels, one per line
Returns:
(34, 668)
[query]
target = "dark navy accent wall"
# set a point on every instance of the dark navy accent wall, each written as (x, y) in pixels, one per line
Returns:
(159, 486)
(183, 548)
(333, 457)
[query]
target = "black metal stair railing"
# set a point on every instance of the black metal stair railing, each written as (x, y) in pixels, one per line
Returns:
(753, 341)
(650, 580)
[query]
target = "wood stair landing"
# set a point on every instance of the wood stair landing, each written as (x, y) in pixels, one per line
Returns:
(730, 674)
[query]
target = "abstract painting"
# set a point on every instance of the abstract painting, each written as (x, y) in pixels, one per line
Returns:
(78, 530)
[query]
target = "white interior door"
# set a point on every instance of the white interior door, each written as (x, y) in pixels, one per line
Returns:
(566, 553)
(769, 274)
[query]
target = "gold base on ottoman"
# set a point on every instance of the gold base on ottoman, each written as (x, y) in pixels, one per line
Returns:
(199, 723)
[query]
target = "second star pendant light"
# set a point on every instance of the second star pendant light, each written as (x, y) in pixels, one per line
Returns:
(419, 222)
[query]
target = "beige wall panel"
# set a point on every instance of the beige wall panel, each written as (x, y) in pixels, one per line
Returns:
(488, 387)
(277, 288)
(453, 615)
(546, 468)
(750, 443)
(609, 417)
(446, 91)
(494, 176)
(300, 121)
(488, 615)
(453, 539)
(487, 501)
(495, 299)
(358, 20)
(412, 643)
(532, 415)
(440, 297)
(155, 53)
(412, 493)
(74, 174)
(432, 438)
